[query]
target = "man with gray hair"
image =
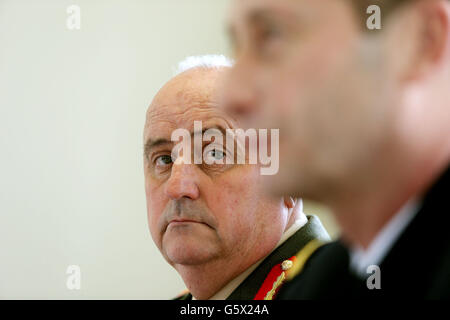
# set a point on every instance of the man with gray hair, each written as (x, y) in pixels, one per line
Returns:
(211, 220)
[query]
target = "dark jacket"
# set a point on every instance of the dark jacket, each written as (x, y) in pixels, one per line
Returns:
(417, 266)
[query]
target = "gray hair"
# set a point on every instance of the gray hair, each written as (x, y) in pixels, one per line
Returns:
(210, 61)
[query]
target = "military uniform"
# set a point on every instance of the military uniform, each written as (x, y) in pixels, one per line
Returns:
(268, 277)
(417, 265)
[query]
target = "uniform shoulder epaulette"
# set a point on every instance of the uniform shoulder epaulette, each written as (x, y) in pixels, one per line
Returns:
(274, 280)
(302, 257)
(286, 271)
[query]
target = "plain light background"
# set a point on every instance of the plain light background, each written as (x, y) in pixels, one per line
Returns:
(72, 108)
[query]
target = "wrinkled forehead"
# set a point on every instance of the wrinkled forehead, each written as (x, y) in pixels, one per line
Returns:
(191, 96)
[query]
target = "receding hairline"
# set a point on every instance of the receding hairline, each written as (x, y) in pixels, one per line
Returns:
(189, 75)
(207, 61)
(186, 77)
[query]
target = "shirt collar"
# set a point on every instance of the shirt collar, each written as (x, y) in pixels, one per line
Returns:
(361, 259)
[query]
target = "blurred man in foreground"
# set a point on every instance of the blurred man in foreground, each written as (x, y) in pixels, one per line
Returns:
(211, 220)
(364, 119)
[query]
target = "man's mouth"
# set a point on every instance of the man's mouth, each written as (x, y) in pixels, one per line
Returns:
(175, 222)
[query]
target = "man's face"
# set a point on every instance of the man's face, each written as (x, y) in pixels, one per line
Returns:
(198, 213)
(303, 67)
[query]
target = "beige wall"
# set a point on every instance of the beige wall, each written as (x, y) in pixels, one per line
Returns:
(72, 107)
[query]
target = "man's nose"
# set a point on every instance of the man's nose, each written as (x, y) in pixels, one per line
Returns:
(239, 95)
(183, 182)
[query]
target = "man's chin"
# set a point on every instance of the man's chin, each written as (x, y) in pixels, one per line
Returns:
(188, 252)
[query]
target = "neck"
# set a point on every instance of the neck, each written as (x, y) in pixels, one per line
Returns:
(363, 211)
(203, 281)
(206, 279)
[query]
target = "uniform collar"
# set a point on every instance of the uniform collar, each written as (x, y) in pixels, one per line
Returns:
(226, 291)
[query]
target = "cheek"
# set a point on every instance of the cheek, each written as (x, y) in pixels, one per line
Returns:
(233, 201)
(155, 207)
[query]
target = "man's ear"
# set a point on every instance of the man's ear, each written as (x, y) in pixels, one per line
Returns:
(432, 37)
(289, 202)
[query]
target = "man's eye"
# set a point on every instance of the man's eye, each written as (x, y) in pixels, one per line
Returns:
(216, 154)
(270, 33)
(268, 40)
(163, 160)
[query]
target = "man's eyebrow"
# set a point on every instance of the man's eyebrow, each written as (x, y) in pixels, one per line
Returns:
(259, 16)
(252, 18)
(153, 143)
(215, 127)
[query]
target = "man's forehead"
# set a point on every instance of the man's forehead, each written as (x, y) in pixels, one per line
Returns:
(245, 9)
(190, 92)
(248, 11)
(175, 116)
(159, 131)
(162, 120)
(183, 91)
